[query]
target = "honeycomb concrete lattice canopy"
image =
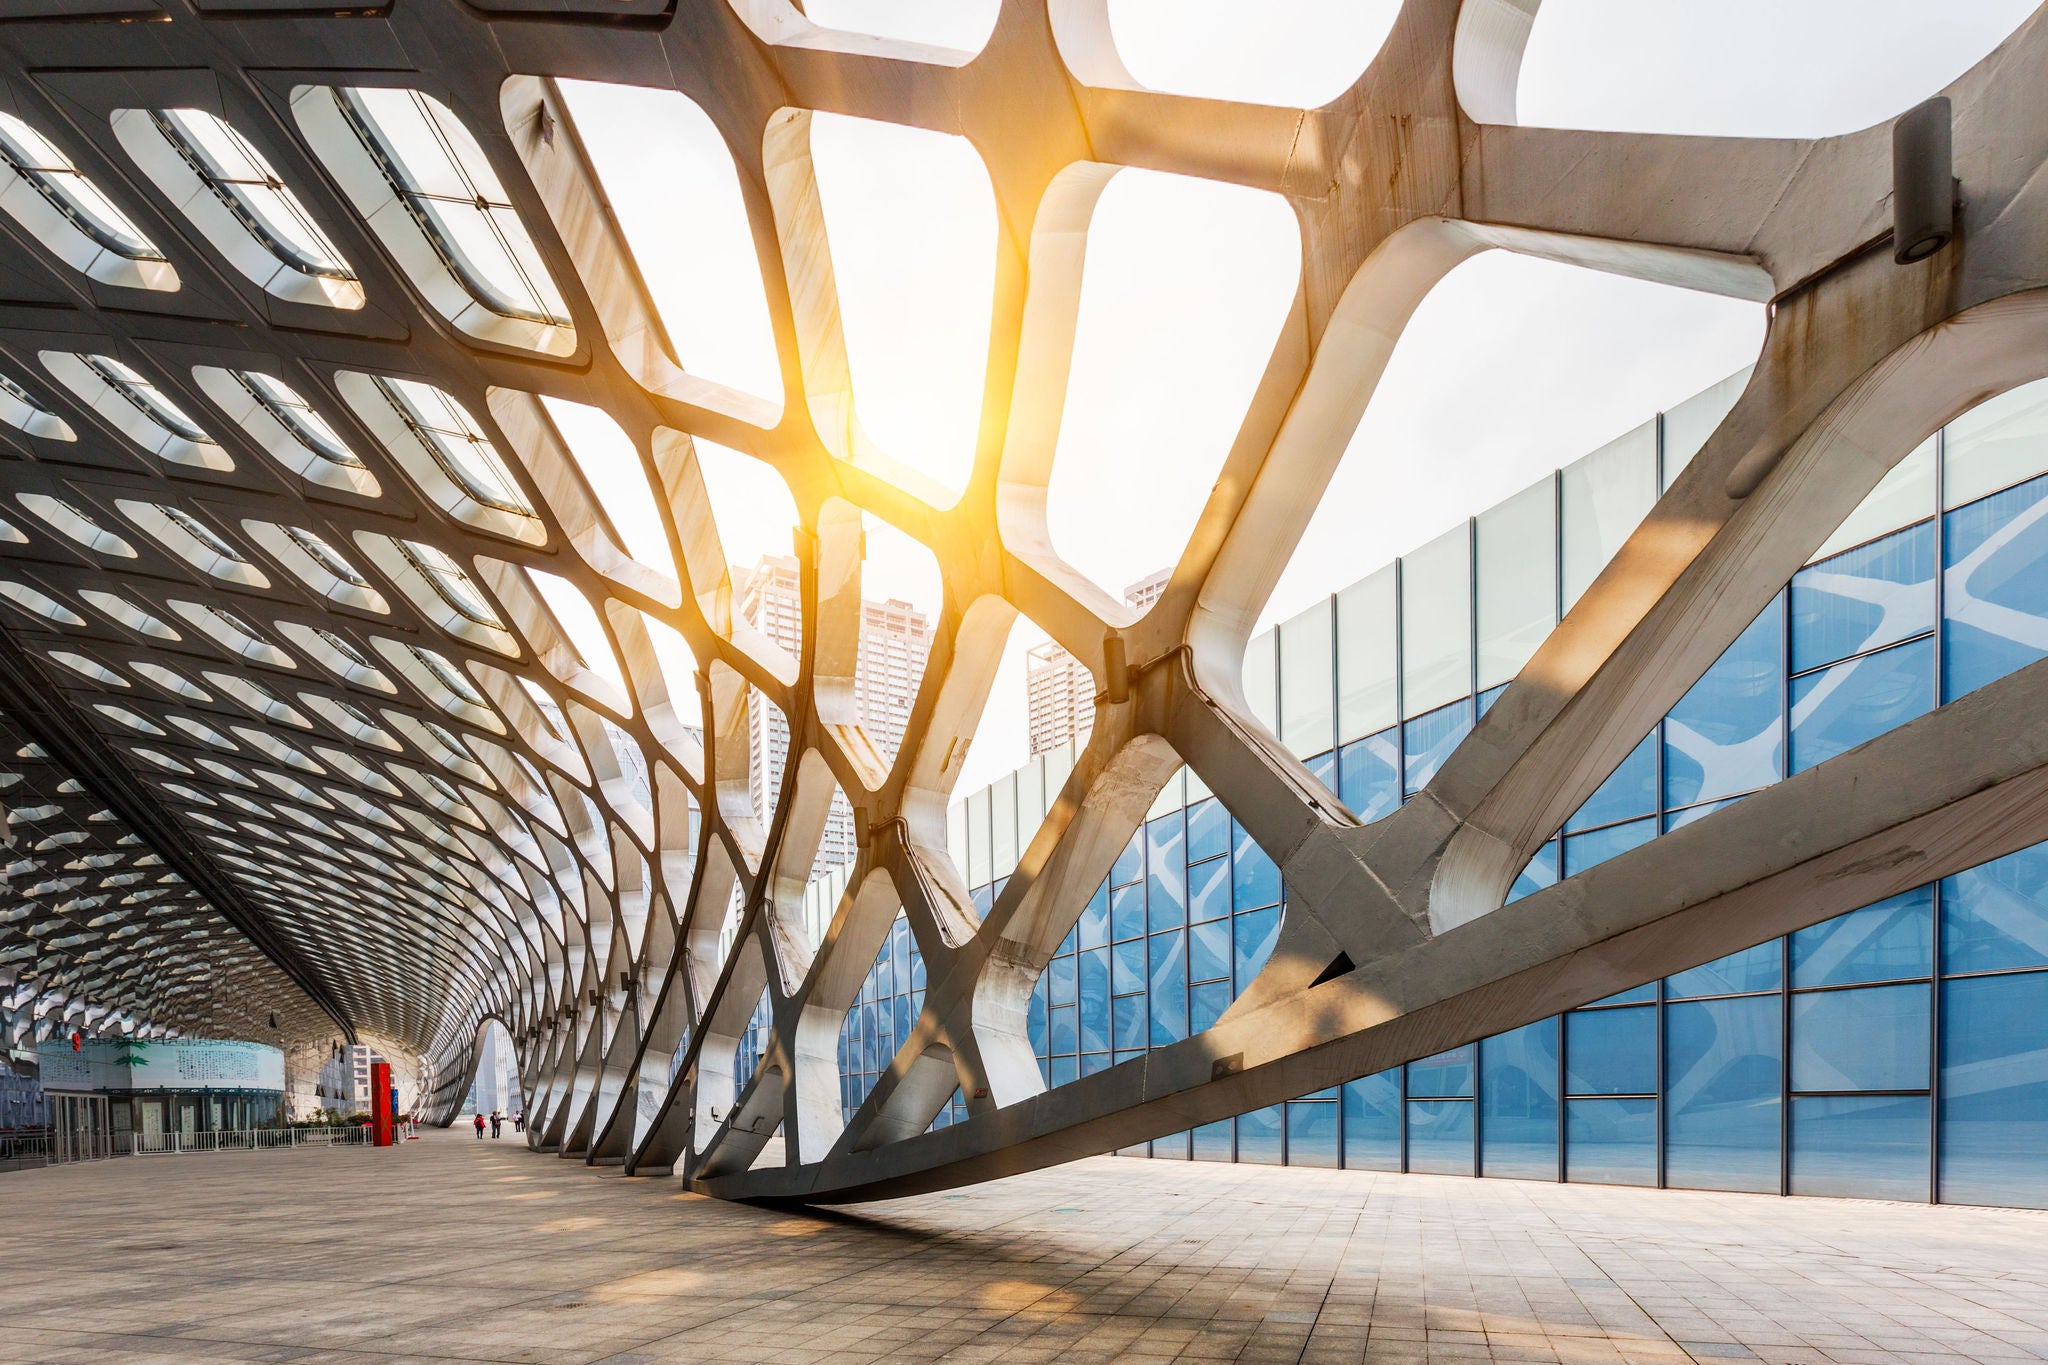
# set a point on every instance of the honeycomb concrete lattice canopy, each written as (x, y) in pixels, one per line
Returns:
(340, 697)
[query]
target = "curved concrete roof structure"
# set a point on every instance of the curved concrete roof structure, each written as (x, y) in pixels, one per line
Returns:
(294, 550)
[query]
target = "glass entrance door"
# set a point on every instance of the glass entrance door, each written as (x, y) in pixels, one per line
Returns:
(82, 1127)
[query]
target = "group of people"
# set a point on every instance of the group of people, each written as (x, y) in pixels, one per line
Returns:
(497, 1122)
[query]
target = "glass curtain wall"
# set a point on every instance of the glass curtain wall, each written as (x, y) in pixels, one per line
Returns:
(1899, 1051)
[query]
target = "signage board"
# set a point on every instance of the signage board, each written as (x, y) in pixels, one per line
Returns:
(183, 1064)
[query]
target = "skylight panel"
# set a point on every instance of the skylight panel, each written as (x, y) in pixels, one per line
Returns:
(134, 405)
(326, 556)
(449, 434)
(144, 396)
(297, 417)
(204, 534)
(67, 518)
(242, 179)
(455, 587)
(446, 674)
(20, 410)
(55, 201)
(220, 181)
(451, 193)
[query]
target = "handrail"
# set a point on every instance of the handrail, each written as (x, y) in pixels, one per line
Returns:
(246, 1140)
(25, 1147)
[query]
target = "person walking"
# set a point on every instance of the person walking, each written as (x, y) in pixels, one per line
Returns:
(497, 1124)
(479, 1126)
(519, 1121)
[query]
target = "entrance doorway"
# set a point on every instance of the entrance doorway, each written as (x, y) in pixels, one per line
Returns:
(82, 1127)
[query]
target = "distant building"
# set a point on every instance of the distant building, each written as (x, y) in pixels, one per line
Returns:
(497, 1076)
(1143, 593)
(354, 1091)
(895, 637)
(1059, 691)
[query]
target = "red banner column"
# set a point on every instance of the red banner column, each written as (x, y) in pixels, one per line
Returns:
(380, 1103)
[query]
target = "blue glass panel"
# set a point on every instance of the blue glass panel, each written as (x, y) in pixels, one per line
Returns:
(1445, 1075)
(1255, 934)
(1761, 968)
(1061, 1071)
(1208, 830)
(1166, 885)
(1254, 878)
(1130, 864)
(1061, 980)
(1630, 791)
(1169, 987)
(1541, 872)
(1127, 911)
(1323, 767)
(1369, 775)
(1129, 969)
(1372, 1122)
(1063, 1034)
(1994, 1090)
(1489, 697)
(1582, 851)
(1429, 739)
(1610, 1052)
(1095, 1000)
(1890, 941)
(982, 898)
(1206, 1004)
(1721, 1075)
(1172, 1147)
(1258, 1136)
(1212, 1141)
(1518, 1095)
(1868, 1038)
(1132, 1020)
(1092, 1062)
(1440, 1136)
(1209, 951)
(1838, 708)
(1994, 587)
(1311, 1133)
(1092, 930)
(1876, 594)
(1611, 1142)
(1209, 889)
(1860, 1146)
(1996, 916)
(1725, 736)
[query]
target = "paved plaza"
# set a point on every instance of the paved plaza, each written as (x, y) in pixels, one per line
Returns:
(455, 1249)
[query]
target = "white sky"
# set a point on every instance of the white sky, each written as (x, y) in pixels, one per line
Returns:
(1510, 368)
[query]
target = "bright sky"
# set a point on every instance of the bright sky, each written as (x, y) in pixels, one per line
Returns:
(1510, 368)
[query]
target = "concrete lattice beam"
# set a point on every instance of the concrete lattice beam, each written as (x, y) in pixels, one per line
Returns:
(443, 853)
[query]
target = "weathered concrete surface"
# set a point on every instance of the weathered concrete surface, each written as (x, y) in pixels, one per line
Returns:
(454, 1249)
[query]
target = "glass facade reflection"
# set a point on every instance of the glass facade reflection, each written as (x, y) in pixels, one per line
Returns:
(1898, 1051)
